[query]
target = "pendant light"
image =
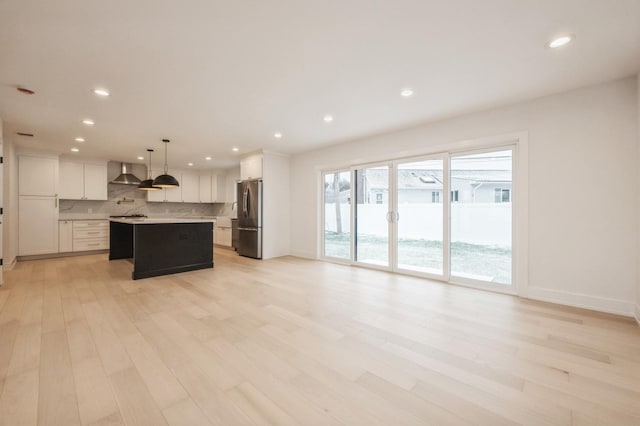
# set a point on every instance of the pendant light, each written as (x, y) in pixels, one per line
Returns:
(166, 180)
(147, 184)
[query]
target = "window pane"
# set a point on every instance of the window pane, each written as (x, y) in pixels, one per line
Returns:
(372, 209)
(420, 216)
(337, 215)
(481, 219)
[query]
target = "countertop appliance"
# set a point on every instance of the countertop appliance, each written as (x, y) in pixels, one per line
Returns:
(250, 218)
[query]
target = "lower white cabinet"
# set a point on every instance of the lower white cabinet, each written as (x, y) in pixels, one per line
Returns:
(65, 236)
(83, 235)
(222, 236)
(90, 235)
(37, 225)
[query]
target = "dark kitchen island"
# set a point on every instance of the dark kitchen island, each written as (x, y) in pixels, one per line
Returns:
(162, 246)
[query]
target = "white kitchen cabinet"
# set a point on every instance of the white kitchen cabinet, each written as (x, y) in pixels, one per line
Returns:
(204, 189)
(71, 180)
(251, 167)
(83, 181)
(222, 233)
(157, 195)
(65, 236)
(37, 225)
(174, 195)
(168, 194)
(38, 176)
(90, 235)
(190, 185)
(95, 182)
(214, 188)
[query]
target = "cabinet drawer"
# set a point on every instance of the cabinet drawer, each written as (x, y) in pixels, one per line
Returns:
(90, 224)
(83, 233)
(91, 244)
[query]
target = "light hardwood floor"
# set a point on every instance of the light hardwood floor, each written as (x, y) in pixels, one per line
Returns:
(292, 341)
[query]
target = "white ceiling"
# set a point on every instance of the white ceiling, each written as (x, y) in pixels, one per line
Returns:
(211, 75)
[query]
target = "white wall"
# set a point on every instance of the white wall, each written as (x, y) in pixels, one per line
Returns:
(276, 207)
(581, 143)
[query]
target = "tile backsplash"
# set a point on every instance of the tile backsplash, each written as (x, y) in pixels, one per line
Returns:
(126, 200)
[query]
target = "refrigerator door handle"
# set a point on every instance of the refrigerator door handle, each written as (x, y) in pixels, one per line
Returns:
(248, 229)
(244, 202)
(248, 197)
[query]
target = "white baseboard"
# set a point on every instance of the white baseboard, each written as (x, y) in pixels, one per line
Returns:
(638, 314)
(303, 254)
(9, 265)
(578, 300)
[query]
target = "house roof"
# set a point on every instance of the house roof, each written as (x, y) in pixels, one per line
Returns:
(429, 179)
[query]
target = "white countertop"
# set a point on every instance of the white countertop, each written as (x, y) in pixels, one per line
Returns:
(152, 220)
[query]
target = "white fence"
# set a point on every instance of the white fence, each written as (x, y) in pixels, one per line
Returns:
(477, 223)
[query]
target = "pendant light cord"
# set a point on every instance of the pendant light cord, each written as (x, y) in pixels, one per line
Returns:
(149, 169)
(166, 165)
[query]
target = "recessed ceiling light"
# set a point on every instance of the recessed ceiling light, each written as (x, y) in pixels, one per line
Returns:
(88, 122)
(140, 158)
(75, 150)
(328, 118)
(190, 164)
(207, 158)
(235, 149)
(406, 93)
(25, 91)
(560, 41)
(101, 92)
(277, 135)
(78, 139)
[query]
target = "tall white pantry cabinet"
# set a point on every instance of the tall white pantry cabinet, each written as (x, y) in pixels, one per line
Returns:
(37, 205)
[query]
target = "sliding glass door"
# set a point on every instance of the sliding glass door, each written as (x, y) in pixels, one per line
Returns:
(420, 195)
(372, 215)
(447, 216)
(481, 216)
(337, 214)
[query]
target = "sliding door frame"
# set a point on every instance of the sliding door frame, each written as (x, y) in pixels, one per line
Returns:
(486, 285)
(518, 142)
(354, 218)
(443, 156)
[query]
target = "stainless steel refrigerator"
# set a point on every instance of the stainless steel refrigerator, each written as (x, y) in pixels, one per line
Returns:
(250, 218)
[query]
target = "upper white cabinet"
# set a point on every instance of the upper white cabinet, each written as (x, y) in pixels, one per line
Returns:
(190, 188)
(174, 195)
(38, 176)
(83, 181)
(95, 182)
(204, 189)
(187, 192)
(251, 167)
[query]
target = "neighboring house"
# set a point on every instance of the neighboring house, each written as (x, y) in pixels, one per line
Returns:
(425, 186)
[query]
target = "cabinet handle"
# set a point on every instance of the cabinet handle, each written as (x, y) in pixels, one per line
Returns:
(93, 244)
(95, 232)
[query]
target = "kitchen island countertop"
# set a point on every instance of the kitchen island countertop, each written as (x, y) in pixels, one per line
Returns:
(152, 220)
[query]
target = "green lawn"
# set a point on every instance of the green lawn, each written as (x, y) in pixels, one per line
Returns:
(469, 260)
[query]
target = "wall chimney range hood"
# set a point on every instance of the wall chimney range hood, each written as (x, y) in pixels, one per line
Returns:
(126, 178)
